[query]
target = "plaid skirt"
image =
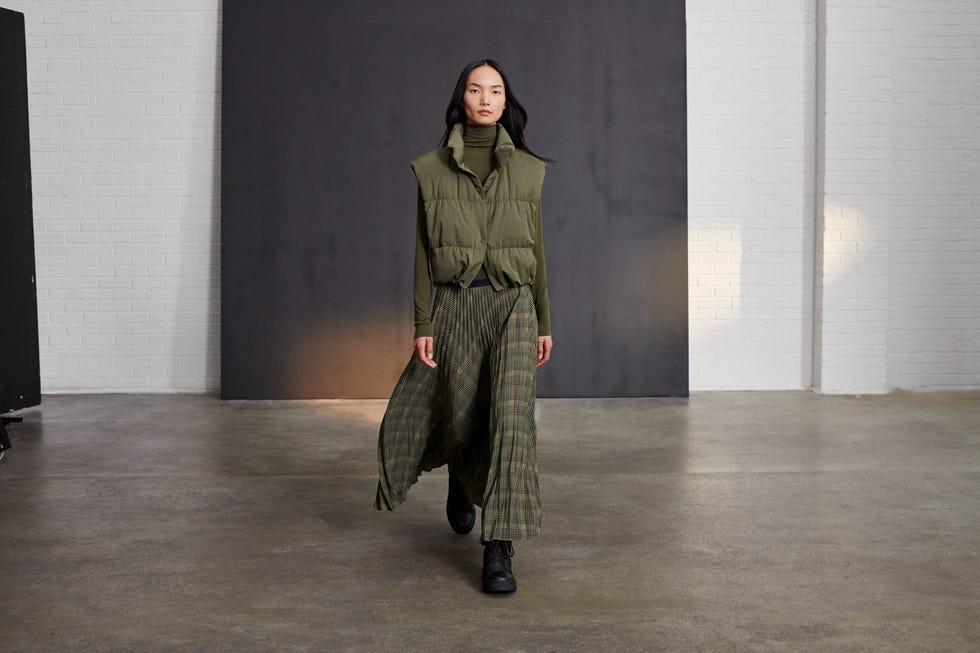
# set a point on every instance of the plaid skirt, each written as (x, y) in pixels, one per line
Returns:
(474, 412)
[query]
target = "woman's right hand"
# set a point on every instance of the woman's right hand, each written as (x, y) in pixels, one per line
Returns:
(423, 349)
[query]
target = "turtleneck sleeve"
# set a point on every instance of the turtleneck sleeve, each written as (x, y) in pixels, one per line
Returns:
(539, 287)
(423, 276)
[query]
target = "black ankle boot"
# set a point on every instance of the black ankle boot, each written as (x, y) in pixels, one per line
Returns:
(459, 509)
(497, 575)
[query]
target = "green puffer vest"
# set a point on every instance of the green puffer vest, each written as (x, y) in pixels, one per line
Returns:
(470, 224)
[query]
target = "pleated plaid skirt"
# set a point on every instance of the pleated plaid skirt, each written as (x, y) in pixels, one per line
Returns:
(474, 412)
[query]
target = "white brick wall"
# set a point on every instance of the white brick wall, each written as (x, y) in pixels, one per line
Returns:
(854, 184)
(897, 293)
(751, 112)
(934, 305)
(124, 106)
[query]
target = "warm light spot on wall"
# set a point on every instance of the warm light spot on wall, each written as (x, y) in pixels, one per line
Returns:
(844, 229)
(714, 283)
(345, 358)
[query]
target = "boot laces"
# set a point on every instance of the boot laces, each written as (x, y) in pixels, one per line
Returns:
(499, 552)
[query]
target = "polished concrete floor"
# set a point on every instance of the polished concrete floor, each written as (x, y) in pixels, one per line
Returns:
(727, 521)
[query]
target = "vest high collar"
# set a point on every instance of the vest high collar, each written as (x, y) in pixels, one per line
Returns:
(503, 150)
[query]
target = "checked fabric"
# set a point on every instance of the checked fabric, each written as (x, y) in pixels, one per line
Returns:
(474, 412)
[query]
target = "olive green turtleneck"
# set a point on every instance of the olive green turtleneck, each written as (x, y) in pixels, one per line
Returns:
(478, 142)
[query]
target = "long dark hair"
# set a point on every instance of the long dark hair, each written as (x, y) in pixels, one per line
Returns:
(513, 118)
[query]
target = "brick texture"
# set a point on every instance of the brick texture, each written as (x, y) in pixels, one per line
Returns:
(124, 104)
(854, 185)
(894, 297)
(751, 112)
(934, 280)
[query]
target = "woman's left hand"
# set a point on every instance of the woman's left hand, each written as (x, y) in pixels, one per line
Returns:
(544, 350)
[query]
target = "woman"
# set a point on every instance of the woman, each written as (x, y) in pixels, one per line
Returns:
(466, 398)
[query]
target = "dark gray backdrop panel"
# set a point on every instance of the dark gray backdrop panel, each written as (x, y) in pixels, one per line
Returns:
(20, 376)
(325, 104)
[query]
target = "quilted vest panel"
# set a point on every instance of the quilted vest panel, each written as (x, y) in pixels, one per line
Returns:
(469, 224)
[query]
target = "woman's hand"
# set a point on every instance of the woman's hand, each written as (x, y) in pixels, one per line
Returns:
(423, 349)
(544, 350)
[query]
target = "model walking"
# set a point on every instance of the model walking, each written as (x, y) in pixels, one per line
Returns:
(466, 398)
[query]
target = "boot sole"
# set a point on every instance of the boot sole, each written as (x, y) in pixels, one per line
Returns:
(499, 586)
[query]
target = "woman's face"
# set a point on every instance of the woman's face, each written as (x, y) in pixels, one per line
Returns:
(484, 97)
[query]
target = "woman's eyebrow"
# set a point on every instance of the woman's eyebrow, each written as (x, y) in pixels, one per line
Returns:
(491, 86)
